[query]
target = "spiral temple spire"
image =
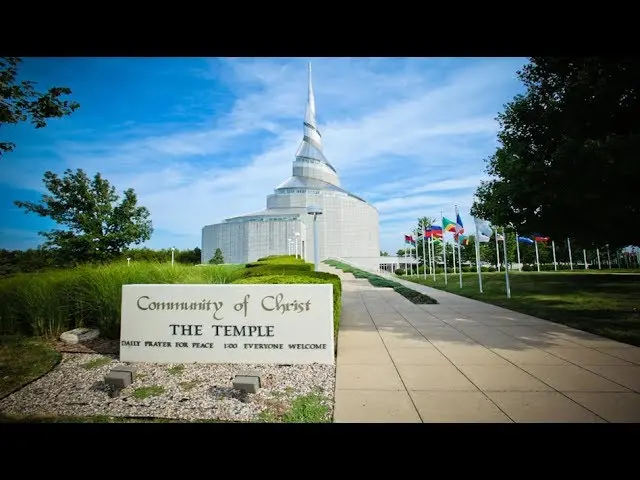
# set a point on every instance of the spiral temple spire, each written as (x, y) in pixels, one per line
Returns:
(311, 146)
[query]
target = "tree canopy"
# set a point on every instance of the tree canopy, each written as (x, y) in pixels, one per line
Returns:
(20, 102)
(567, 161)
(97, 227)
(217, 258)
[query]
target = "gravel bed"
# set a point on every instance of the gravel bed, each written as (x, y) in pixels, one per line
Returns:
(195, 392)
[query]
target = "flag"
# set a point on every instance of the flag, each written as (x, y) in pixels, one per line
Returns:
(483, 238)
(484, 229)
(409, 239)
(525, 240)
(436, 231)
(459, 222)
(463, 240)
(428, 232)
(448, 225)
(539, 238)
(499, 237)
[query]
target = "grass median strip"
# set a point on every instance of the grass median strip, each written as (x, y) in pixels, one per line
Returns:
(378, 281)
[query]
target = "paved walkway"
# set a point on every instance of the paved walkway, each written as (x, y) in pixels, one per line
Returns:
(468, 361)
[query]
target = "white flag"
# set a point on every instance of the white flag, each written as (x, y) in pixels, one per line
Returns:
(484, 230)
(500, 237)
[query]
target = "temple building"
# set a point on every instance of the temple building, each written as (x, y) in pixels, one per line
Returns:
(348, 227)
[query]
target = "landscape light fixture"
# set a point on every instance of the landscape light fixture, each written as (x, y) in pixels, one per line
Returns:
(315, 211)
(128, 261)
(172, 256)
(297, 238)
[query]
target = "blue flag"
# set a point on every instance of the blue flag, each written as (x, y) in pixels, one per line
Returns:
(526, 240)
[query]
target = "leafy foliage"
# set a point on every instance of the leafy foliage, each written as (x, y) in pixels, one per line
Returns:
(217, 258)
(568, 153)
(51, 302)
(20, 102)
(292, 270)
(98, 229)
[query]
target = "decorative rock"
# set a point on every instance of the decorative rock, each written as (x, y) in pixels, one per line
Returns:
(79, 335)
(246, 384)
(253, 373)
(126, 368)
(118, 380)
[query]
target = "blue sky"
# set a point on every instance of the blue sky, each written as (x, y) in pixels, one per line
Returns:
(203, 139)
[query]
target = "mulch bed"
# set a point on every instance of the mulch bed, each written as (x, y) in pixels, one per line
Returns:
(98, 345)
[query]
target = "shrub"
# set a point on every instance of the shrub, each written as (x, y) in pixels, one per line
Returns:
(382, 282)
(276, 269)
(400, 271)
(306, 278)
(359, 274)
(280, 259)
(377, 281)
(413, 296)
(51, 302)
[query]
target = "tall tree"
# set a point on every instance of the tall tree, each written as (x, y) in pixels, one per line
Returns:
(97, 228)
(568, 153)
(217, 258)
(20, 102)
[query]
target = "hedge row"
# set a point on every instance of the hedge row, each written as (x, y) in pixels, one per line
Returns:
(51, 302)
(287, 269)
(378, 281)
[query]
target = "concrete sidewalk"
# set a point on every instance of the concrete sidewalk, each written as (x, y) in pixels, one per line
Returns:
(467, 361)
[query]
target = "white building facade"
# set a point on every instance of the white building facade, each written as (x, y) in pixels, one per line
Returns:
(348, 227)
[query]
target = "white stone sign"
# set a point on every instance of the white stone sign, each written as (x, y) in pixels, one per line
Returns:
(214, 323)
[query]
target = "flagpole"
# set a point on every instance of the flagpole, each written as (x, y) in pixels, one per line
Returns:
(414, 257)
(608, 256)
(433, 257)
(584, 252)
(409, 265)
(459, 255)
(478, 267)
(416, 254)
(497, 250)
(459, 262)
(555, 264)
(537, 257)
(506, 262)
(444, 247)
(430, 254)
(411, 254)
(453, 253)
(518, 248)
(410, 258)
(570, 261)
(406, 264)
(598, 254)
(424, 254)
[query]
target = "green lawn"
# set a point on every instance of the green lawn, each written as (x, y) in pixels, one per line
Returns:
(597, 302)
(23, 360)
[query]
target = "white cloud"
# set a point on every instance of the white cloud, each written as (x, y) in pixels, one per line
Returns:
(404, 134)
